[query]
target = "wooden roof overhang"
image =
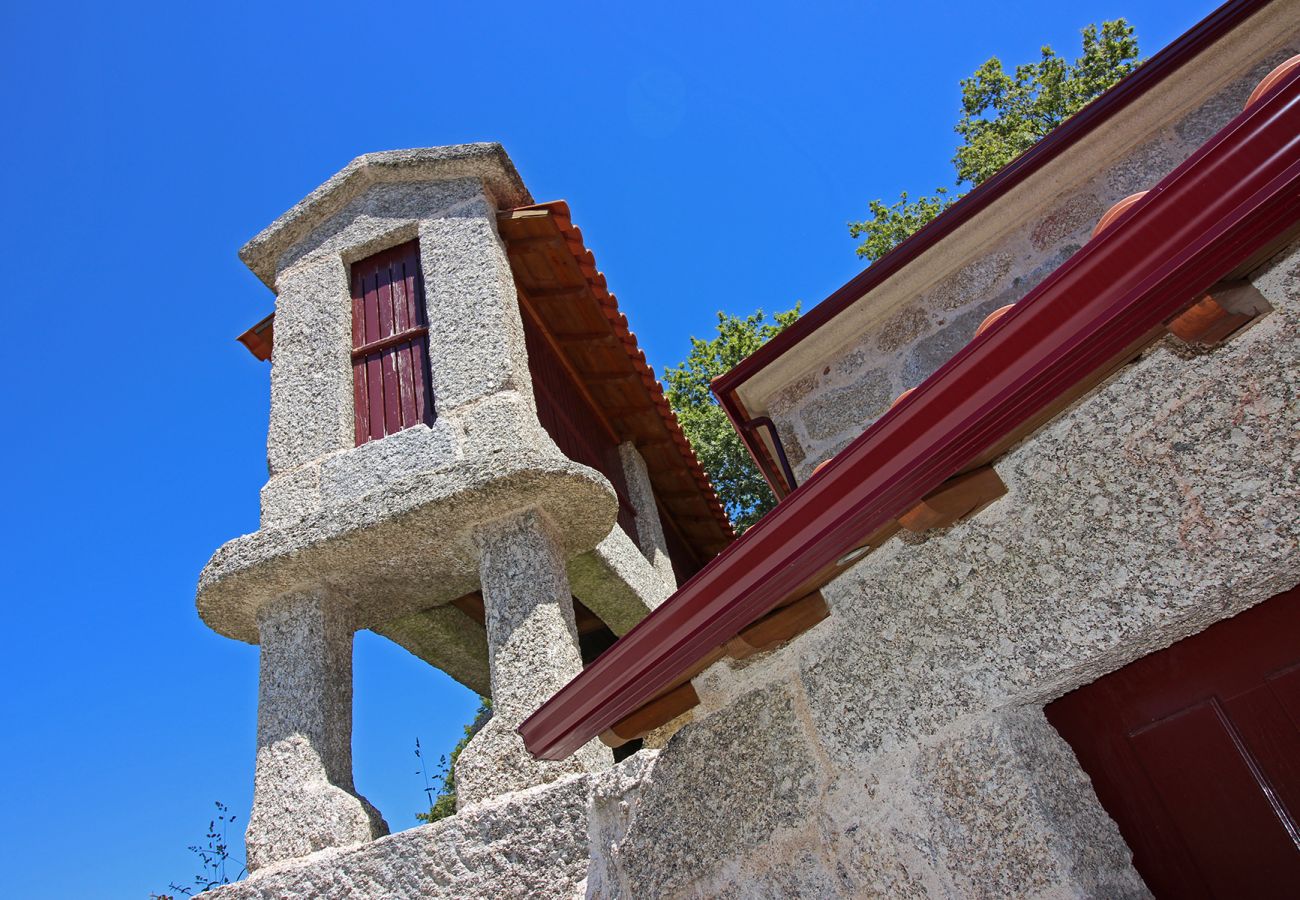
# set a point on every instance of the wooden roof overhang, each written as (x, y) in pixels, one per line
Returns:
(1092, 117)
(563, 292)
(1225, 210)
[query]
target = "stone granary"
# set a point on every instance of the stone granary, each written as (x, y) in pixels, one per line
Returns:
(1023, 623)
(468, 454)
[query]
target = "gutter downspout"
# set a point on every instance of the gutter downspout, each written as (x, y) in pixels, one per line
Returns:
(765, 422)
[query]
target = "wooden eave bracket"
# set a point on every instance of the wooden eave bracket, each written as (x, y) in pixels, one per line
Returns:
(957, 498)
(1225, 310)
(777, 627)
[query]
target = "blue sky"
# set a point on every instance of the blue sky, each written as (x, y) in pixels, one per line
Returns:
(711, 156)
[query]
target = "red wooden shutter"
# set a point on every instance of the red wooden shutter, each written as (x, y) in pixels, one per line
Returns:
(390, 344)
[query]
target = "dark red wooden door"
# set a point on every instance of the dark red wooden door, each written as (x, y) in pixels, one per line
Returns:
(390, 369)
(1195, 752)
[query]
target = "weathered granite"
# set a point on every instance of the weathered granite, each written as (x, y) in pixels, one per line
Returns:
(898, 749)
(617, 583)
(842, 391)
(724, 785)
(384, 534)
(485, 162)
(649, 528)
(404, 549)
(303, 796)
(529, 844)
(448, 640)
(533, 652)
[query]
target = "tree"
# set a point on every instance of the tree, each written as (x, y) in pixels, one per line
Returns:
(1003, 115)
(444, 780)
(740, 487)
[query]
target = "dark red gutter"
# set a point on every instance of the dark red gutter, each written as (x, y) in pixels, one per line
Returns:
(1094, 115)
(1236, 196)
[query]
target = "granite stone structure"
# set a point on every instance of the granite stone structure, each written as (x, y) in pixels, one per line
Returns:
(477, 500)
(902, 743)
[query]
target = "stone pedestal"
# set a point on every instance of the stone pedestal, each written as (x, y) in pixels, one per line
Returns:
(532, 652)
(303, 796)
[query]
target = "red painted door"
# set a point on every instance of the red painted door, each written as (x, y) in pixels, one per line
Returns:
(1195, 752)
(390, 344)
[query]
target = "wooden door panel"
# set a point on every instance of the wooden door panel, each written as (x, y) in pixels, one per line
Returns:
(1195, 752)
(1211, 791)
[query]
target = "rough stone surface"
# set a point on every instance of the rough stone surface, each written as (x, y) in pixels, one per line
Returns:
(406, 548)
(529, 844)
(1009, 813)
(617, 583)
(924, 327)
(823, 416)
(724, 784)
(485, 162)
(532, 651)
(898, 749)
(649, 529)
(448, 640)
(303, 796)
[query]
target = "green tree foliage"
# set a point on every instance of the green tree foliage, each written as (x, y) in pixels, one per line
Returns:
(443, 784)
(741, 488)
(1003, 115)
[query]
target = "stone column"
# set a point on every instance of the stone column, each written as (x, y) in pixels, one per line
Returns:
(532, 652)
(649, 529)
(303, 796)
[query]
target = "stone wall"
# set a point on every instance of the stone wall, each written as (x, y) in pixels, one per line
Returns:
(821, 411)
(899, 748)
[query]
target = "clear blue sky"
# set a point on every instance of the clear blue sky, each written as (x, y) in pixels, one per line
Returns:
(711, 158)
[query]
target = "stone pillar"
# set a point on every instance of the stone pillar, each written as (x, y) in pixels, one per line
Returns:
(649, 529)
(532, 652)
(303, 796)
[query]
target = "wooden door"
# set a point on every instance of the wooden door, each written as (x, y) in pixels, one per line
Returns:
(1195, 752)
(390, 344)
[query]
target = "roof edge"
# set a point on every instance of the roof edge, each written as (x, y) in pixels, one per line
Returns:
(485, 160)
(1151, 73)
(1227, 202)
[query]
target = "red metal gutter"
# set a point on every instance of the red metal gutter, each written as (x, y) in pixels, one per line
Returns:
(1094, 115)
(1239, 194)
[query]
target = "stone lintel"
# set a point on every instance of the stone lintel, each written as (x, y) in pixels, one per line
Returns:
(446, 639)
(487, 161)
(617, 583)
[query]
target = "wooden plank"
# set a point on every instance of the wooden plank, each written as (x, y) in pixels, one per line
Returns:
(585, 337)
(360, 397)
(1225, 309)
(534, 320)
(374, 367)
(657, 712)
(511, 216)
(401, 337)
(957, 498)
(780, 626)
(472, 605)
(402, 322)
(388, 357)
(424, 401)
